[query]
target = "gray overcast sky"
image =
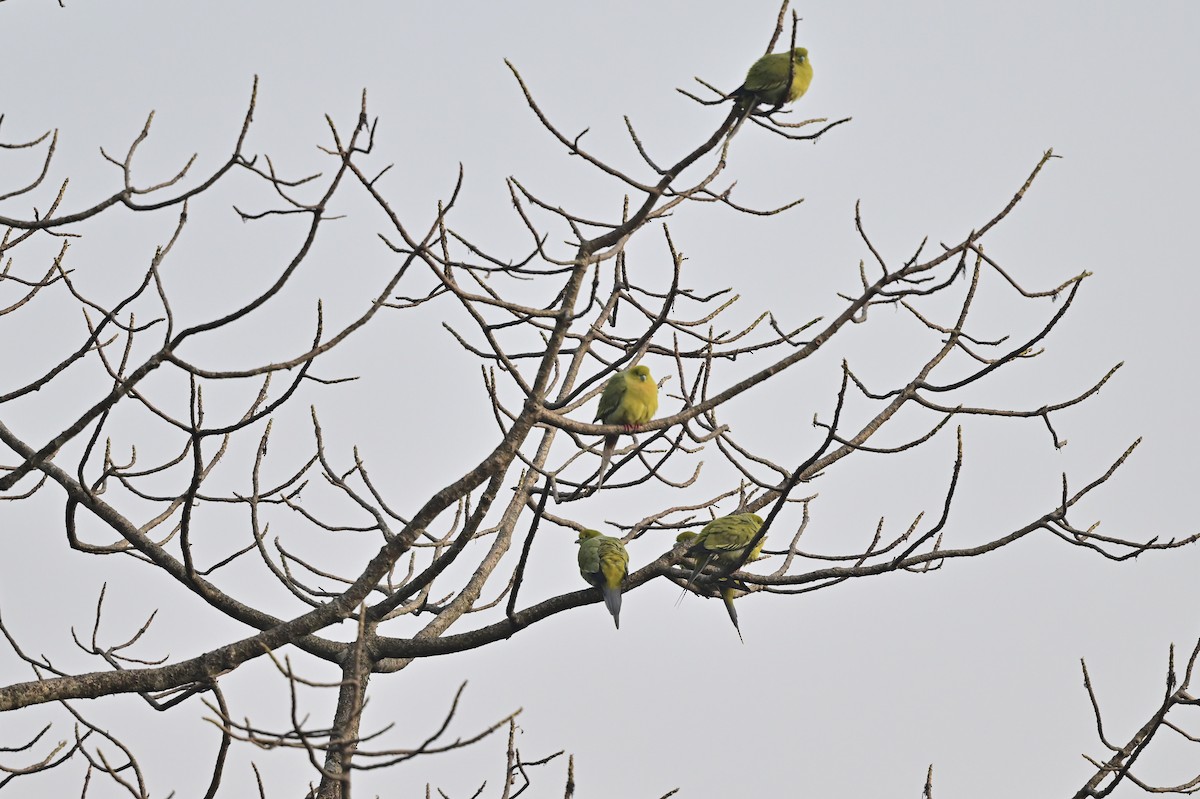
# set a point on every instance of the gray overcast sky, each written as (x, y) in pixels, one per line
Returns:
(847, 692)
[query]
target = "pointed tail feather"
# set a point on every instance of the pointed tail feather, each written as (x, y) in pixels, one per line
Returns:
(727, 598)
(610, 445)
(700, 565)
(612, 601)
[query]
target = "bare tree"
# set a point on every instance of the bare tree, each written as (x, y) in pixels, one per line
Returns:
(548, 327)
(1168, 718)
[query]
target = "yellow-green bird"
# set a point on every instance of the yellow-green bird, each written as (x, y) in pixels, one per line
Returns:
(604, 563)
(728, 590)
(767, 80)
(724, 540)
(630, 398)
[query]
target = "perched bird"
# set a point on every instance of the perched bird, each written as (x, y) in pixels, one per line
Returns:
(630, 398)
(767, 80)
(728, 589)
(604, 563)
(724, 540)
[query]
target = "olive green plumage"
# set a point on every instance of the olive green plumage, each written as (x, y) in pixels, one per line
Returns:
(722, 541)
(767, 80)
(604, 563)
(727, 590)
(630, 398)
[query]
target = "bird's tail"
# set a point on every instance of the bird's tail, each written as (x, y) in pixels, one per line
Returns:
(612, 601)
(727, 598)
(610, 446)
(700, 566)
(743, 99)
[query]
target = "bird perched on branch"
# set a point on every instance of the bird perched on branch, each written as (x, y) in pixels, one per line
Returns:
(767, 80)
(723, 541)
(630, 398)
(727, 590)
(604, 563)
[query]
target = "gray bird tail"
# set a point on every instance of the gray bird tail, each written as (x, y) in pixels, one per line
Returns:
(610, 446)
(612, 601)
(699, 568)
(728, 599)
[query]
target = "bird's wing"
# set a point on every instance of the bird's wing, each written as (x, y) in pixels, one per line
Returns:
(768, 74)
(610, 399)
(589, 559)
